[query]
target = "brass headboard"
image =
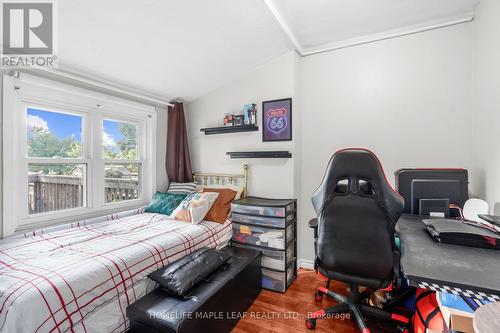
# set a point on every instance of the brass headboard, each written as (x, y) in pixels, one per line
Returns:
(220, 178)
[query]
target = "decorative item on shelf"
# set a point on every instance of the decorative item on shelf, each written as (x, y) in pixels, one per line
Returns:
(228, 119)
(246, 116)
(238, 120)
(250, 114)
(277, 120)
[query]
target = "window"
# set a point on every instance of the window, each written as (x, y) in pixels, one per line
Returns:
(55, 186)
(54, 136)
(122, 169)
(121, 182)
(72, 154)
(119, 140)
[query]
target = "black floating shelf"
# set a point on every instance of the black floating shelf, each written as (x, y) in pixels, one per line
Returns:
(229, 129)
(260, 154)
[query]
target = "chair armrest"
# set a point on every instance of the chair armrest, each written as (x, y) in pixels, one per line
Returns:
(313, 223)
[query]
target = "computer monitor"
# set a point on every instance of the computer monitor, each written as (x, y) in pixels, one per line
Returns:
(417, 184)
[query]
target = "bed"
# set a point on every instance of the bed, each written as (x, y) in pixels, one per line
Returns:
(80, 278)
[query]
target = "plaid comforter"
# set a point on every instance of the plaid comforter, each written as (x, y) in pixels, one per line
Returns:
(81, 279)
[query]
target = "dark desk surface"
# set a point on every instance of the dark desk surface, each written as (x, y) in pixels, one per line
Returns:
(470, 271)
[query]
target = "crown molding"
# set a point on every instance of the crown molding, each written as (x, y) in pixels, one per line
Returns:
(404, 31)
(410, 30)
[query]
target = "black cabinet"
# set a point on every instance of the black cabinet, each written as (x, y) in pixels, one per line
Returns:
(268, 225)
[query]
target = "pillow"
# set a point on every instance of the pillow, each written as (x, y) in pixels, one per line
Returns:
(222, 206)
(233, 187)
(194, 207)
(164, 203)
(181, 276)
(181, 188)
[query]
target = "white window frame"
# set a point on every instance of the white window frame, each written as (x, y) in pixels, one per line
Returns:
(33, 91)
(26, 103)
(141, 155)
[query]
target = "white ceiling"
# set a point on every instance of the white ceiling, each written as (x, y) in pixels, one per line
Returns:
(186, 48)
(169, 48)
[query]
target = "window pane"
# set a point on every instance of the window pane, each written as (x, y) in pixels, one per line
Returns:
(54, 187)
(53, 134)
(122, 182)
(119, 140)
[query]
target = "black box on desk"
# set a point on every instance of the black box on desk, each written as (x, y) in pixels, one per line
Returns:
(416, 184)
(431, 207)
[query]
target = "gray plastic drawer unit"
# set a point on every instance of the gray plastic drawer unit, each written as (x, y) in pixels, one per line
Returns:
(268, 225)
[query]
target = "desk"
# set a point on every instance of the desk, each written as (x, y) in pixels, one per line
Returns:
(469, 271)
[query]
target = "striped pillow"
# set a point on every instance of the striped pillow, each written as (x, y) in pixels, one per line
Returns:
(165, 203)
(184, 188)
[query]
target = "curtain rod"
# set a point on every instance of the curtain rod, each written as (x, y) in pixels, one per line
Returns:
(101, 85)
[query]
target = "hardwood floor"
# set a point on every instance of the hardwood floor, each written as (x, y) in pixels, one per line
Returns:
(277, 312)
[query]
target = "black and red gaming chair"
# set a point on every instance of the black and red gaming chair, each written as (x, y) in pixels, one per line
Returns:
(356, 211)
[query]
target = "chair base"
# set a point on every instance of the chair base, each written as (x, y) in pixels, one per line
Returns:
(352, 304)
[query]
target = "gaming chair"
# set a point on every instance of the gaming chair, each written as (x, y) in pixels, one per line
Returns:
(356, 211)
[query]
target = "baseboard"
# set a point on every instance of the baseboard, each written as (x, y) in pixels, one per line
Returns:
(304, 263)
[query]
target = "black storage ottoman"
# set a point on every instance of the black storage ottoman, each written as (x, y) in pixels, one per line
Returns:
(214, 305)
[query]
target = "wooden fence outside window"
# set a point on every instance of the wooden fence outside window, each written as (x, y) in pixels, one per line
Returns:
(48, 193)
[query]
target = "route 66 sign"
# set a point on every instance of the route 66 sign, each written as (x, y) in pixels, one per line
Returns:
(277, 120)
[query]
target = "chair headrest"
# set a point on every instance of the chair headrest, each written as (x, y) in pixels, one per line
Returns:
(361, 169)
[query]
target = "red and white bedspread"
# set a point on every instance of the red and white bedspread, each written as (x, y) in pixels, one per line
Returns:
(81, 279)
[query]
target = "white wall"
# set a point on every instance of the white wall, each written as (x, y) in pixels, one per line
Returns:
(268, 177)
(487, 106)
(408, 99)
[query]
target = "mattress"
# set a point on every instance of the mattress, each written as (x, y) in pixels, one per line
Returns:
(82, 278)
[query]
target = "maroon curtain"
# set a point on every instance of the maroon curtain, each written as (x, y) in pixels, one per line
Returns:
(178, 162)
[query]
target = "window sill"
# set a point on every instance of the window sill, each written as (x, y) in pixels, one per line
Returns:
(75, 215)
